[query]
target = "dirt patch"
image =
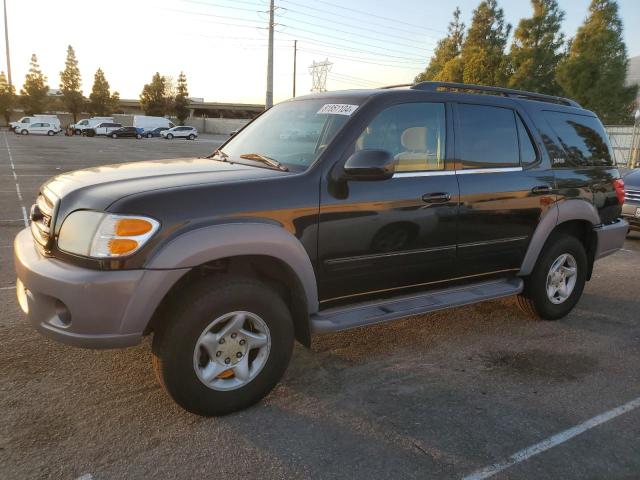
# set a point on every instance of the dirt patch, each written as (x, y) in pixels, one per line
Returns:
(541, 364)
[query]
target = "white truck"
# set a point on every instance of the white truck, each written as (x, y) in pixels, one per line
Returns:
(148, 123)
(53, 120)
(85, 123)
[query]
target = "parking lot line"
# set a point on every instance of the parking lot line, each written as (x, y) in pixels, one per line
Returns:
(15, 177)
(10, 287)
(553, 441)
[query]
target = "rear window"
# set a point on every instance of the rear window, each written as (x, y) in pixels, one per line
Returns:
(488, 137)
(583, 139)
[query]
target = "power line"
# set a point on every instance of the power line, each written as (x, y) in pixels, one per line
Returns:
(360, 60)
(367, 36)
(362, 12)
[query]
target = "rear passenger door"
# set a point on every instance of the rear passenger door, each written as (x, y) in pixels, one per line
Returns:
(505, 186)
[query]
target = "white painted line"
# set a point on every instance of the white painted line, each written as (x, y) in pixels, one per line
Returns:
(25, 218)
(86, 476)
(6, 220)
(628, 251)
(10, 287)
(553, 441)
(15, 177)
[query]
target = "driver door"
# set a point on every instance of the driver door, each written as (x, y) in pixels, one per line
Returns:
(385, 236)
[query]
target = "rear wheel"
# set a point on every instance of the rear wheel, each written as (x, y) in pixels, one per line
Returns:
(78, 131)
(50, 133)
(149, 135)
(557, 281)
(169, 136)
(138, 136)
(192, 137)
(114, 135)
(223, 345)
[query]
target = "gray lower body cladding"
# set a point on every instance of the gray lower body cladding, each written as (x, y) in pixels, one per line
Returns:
(84, 307)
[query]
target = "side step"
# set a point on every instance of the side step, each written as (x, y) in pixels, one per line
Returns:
(344, 318)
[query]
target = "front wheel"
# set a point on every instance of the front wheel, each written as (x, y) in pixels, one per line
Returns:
(169, 136)
(149, 135)
(113, 135)
(50, 133)
(557, 281)
(24, 132)
(138, 136)
(78, 131)
(192, 137)
(223, 345)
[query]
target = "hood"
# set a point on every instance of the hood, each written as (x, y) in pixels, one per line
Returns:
(632, 179)
(127, 178)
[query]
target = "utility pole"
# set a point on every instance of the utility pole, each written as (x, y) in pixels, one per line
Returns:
(295, 52)
(6, 42)
(269, 100)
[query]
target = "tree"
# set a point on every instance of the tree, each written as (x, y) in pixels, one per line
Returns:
(7, 98)
(35, 89)
(181, 100)
(154, 97)
(482, 55)
(70, 82)
(445, 63)
(101, 102)
(536, 49)
(594, 71)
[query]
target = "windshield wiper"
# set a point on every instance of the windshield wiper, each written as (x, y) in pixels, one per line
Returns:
(266, 160)
(223, 156)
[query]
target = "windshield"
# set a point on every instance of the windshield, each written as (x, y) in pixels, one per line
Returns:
(292, 133)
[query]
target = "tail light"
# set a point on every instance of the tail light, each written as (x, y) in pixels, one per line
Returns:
(618, 185)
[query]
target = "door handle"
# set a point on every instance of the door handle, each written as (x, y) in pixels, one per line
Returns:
(439, 197)
(541, 190)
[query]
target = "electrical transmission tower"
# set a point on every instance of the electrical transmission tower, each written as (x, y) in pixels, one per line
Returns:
(318, 71)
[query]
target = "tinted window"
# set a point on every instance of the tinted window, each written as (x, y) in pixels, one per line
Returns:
(414, 133)
(487, 137)
(583, 139)
(527, 150)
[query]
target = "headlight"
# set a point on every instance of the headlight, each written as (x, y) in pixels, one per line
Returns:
(104, 235)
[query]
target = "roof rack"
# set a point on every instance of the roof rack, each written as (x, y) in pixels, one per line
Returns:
(507, 92)
(399, 85)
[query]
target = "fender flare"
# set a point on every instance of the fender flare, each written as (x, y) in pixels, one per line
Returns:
(206, 244)
(564, 211)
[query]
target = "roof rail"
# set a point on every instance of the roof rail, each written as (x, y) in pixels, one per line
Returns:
(507, 92)
(386, 87)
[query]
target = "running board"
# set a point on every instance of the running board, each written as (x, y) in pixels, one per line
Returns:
(344, 318)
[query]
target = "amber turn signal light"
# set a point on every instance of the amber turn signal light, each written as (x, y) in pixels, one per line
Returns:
(119, 246)
(131, 227)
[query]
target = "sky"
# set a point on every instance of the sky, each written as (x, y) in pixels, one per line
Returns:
(221, 45)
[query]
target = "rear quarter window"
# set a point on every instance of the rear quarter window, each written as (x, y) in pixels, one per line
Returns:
(583, 139)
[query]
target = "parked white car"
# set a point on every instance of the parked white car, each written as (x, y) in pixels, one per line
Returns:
(85, 123)
(180, 132)
(38, 128)
(26, 121)
(104, 128)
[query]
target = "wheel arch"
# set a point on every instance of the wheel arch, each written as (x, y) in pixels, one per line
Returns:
(267, 251)
(576, 217)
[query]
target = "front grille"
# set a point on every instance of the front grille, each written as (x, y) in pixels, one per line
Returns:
(42, 214)
(630, 194)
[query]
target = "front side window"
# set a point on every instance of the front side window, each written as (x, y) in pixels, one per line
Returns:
(487, 137)
(583, 139)
(294, 133)
(414, 133)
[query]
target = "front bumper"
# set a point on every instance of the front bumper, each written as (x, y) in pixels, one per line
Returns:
(610, 237)
(629, 214)
(84, 307)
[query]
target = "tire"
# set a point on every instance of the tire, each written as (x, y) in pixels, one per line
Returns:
(114, 135)
(170, 136)
(535, 299)
(78, 131)
(24, 132)
(138, 136)
(50, 133)
(149, 135)
(192, 137)
(179, 366)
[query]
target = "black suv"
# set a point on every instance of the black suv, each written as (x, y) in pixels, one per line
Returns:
(385, 203)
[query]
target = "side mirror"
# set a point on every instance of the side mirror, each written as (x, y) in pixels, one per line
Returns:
(369, 165)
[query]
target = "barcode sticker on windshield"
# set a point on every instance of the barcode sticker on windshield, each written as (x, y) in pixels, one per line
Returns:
(338, 109)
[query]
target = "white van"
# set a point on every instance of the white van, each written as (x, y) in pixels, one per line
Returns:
(53, 120)
(148, 123)
(88, 123)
